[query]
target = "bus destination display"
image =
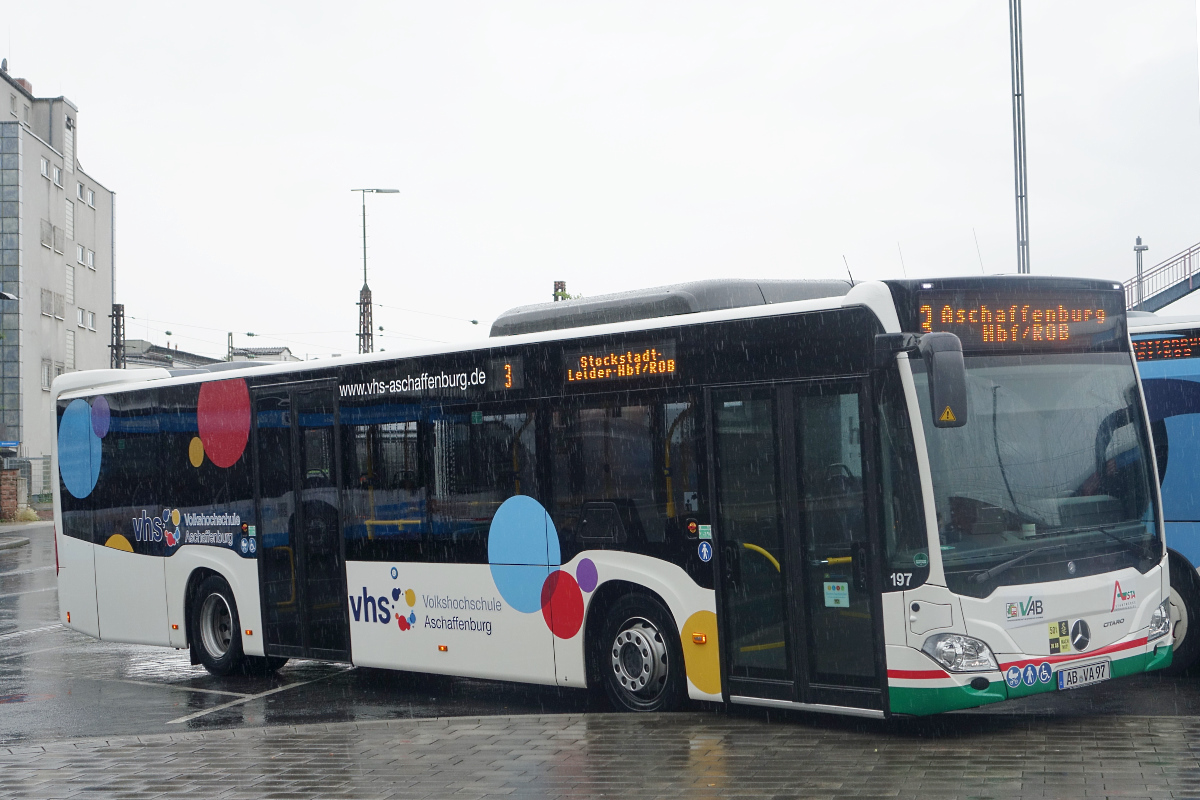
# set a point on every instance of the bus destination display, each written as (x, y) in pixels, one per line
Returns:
(1044, 322)
(505, 374)
(595, 365)
(1162, 348)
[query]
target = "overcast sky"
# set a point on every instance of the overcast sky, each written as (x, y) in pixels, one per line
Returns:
(613, 145)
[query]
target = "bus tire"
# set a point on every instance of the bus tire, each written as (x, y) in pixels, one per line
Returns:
(1185, 615)
(262, 665)
(641, 657)
(216, 629)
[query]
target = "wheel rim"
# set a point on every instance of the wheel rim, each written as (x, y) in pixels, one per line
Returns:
(1179, 618)
(216, 625)
(639, 660)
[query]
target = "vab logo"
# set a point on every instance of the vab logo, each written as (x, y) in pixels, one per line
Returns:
(1030, 609)
(1123, 599)
(157, 529)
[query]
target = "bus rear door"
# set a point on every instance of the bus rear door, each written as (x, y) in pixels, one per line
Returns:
(302, 571)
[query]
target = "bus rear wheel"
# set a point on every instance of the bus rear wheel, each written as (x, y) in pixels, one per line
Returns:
(215, 627)
(642, 659)
(1185, 615)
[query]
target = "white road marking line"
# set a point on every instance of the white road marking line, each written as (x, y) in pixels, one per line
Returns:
(35, 652)
(31, 591)
(25, 571)
(247, 699)
(178, 687)
(15, 634)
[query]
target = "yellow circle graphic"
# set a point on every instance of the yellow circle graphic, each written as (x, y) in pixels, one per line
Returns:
(119, 542)
(410, 597)
(196, 452)
(175, 517)
(703, 661)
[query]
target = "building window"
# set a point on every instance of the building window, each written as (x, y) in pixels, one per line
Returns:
(91, 259)
(45, 375)
(58, 366)
(12, 104)
(47, 303)
(70, 220)
(91, 320)
(47, 233)
(79, 317)
(79, 190)
(45, 168)
(79, 253)
(91, 198)
(60, 307)
(70, 283)
(58, 176)
(59, 240)
(26, 115)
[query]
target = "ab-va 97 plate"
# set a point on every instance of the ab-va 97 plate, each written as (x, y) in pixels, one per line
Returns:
(1083, 675)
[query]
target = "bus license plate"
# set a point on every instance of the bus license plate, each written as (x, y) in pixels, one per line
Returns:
(1083, 675)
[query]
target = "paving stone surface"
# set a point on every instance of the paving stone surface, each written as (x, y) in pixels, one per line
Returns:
(630, 756)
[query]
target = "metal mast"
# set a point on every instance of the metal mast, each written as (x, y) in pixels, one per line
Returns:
(117, 345)
(1018, 89)
(366, 336)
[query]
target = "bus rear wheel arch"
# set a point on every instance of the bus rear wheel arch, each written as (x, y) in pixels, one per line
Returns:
(214, 629)
(637, 655)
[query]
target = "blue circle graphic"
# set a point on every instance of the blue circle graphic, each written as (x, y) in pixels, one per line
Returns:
(79, 449)
(522, 547)
(1013, 676)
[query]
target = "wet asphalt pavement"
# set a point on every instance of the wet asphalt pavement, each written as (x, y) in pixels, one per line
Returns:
(63, 692)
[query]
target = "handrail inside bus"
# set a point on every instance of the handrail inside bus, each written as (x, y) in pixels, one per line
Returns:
(758, 549)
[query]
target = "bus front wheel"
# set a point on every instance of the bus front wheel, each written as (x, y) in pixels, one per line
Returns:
(1185, 615)
(642, 662)
(216, 631)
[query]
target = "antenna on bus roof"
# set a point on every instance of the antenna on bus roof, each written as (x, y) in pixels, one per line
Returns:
(848, 272)
(901, 252)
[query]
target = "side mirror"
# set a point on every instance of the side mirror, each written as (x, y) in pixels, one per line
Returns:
(943, 356)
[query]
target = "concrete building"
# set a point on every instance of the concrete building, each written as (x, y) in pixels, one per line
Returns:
(56, 256)
(262, 354)
(140, 354)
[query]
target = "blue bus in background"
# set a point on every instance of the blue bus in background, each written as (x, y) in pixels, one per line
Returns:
(1168, 356)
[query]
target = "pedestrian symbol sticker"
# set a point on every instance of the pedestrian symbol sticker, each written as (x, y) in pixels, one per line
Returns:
(948, 416)
(1029, 675)
(705, 552)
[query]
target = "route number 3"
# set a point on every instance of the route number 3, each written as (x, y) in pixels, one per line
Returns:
(901, 579)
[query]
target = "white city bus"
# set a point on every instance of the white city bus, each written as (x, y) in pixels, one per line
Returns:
(900, 497)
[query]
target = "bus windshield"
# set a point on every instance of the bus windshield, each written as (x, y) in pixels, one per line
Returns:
(1050, 477)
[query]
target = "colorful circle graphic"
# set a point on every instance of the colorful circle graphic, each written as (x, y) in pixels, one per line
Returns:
(196, 451)
(522, 545)
(562, 604)
(586, 575)
(79, 449)
(100, 416)
(223, 420)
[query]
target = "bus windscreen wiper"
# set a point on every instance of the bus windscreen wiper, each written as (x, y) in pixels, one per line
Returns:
(1130, 545)
(987, 574)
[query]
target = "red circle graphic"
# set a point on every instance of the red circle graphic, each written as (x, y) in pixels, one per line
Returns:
(223, 420)
(562, 604)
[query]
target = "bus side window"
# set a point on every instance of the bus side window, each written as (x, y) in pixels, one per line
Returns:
(384, 497)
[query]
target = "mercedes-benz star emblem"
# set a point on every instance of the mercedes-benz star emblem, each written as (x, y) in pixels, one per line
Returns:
(1081, 635)
(1071, 567)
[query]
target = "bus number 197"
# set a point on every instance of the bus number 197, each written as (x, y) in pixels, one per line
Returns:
(901, 578)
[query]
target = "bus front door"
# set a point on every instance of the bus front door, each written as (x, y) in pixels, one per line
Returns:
(797, 592)
(301, 563)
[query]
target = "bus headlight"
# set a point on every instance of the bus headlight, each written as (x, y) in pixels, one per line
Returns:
(1160, 621)
(959, 653)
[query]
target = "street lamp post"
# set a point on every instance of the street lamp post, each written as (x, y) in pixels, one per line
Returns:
(1139, 248)
(366, 339)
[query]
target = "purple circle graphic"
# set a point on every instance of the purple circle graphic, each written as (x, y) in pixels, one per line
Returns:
(100, 416)
(585, 574)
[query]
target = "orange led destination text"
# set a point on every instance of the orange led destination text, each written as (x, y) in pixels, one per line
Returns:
(1012, 324)
(605, 366)
(1175, 347)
